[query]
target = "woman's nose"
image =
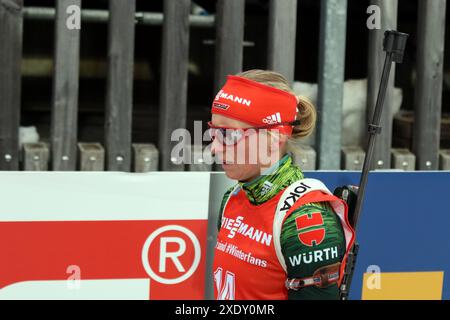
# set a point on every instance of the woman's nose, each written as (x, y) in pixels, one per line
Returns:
(216, 147)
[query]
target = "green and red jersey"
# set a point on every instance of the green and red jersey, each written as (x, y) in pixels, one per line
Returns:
(269, 232)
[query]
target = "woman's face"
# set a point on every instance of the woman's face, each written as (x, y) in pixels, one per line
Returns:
(241, 161)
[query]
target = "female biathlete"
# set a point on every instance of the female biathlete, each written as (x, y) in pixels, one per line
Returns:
(281, 235)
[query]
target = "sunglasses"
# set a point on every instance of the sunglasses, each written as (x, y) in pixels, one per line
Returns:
(231, 136)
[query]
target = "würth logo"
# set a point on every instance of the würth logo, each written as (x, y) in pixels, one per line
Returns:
(275, 118)
(310, 227)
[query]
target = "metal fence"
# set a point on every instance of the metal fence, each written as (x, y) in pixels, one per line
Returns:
(120, 154)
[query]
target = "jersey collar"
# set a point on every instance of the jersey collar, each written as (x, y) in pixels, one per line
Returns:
(272, 181)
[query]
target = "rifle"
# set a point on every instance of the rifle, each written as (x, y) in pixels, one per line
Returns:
(394, 44)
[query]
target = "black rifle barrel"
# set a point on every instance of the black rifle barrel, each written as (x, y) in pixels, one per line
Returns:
(394, 45)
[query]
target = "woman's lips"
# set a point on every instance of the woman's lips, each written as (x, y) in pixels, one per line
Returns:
(227, 164)
(223, 162)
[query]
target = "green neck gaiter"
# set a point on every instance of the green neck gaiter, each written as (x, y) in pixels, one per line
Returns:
(276, 178)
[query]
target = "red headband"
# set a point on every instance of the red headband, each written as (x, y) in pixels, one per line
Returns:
(255, 103)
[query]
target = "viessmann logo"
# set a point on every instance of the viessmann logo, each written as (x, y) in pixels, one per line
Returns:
(237, 226)
(226, 96)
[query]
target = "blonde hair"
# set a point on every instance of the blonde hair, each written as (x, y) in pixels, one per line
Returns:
(306, 111)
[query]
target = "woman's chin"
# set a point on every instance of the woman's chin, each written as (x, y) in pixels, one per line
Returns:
(238, 171)
(228, 168)
(231, 171)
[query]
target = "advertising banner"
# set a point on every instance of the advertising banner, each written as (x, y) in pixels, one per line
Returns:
(103, 235)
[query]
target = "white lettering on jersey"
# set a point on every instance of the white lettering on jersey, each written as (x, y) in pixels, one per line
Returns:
(226, 288)
(314, 256)
(238, 226)
(234, 251)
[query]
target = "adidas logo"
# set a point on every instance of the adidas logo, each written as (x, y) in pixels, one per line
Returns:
(275, 118)
(266, 187)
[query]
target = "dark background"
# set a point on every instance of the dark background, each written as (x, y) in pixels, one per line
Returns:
(38, 43)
